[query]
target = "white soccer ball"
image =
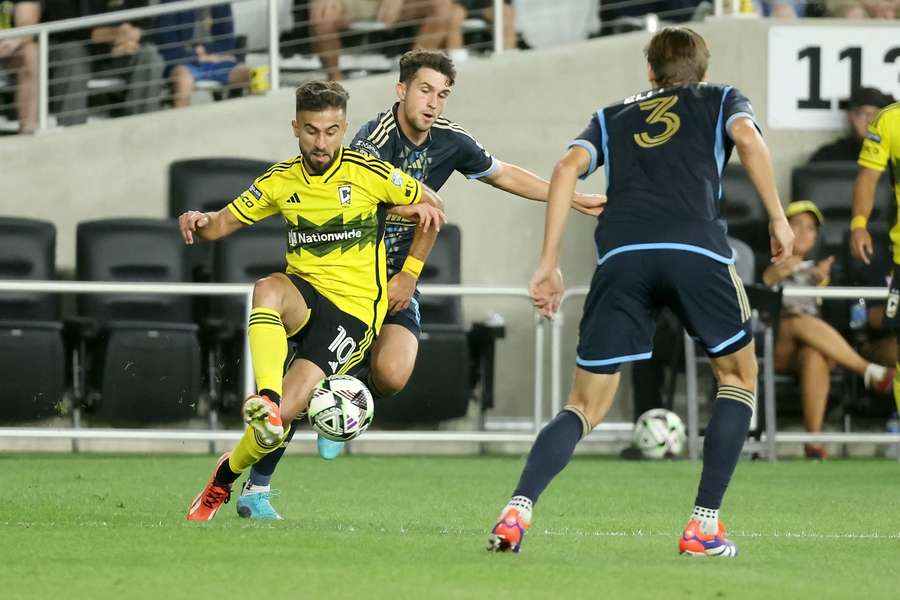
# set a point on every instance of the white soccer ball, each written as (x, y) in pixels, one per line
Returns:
(341, 408)
(659, 433)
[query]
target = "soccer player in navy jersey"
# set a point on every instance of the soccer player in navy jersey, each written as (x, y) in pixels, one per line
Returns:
(415, 137)
(660, 242)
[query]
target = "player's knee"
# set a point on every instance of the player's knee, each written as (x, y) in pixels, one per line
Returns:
(390, 379)
(268, 293)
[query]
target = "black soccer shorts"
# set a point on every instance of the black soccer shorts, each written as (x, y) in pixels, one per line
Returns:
(331, 339)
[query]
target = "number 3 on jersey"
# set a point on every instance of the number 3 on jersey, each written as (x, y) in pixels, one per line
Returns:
(659, 114)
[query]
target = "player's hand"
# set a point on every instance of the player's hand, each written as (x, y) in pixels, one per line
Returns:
(546, 289)
(589, 204)
(782, 239)
(822, 270)
(861, 245)
(400, 290)
(190, 222)
(781, 270)
(424, 214)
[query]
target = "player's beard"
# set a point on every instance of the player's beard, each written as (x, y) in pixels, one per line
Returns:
(315, 170)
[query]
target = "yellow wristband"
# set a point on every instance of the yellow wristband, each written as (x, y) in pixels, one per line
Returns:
(858, 222)
(413, 266)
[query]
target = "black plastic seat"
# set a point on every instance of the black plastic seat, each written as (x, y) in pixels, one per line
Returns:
(440, 386)
(830, 186)
(32, 353)
(208, 184)
(140, 352)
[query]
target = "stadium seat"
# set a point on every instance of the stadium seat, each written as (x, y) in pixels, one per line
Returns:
(32, 355)
(243, 257)
(140, 354)
(830, 186)
(449, 359)
(208, 184)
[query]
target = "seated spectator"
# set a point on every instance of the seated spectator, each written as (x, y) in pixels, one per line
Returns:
(329, 17)
(199, 46)
(108, 51)
(861, 9)
(864, 104)
(19, 57)
(478, 9)
(806, 345)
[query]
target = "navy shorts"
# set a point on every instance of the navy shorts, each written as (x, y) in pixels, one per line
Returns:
(409, 317)
(628, 290)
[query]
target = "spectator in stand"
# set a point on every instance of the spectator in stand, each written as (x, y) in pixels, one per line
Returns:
(115, 50)
(18, 56)
(865, 103)
(199, 45)
(861, 9)
(329, 17)
(806, 345)
(478, 9)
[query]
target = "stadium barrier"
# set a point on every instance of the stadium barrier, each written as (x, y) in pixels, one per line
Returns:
(606, 432)
(268, 55)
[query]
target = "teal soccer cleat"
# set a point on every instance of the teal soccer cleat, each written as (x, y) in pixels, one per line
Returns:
(328, 449)
(257, 506)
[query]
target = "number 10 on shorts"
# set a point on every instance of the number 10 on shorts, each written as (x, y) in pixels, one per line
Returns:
(343, 347)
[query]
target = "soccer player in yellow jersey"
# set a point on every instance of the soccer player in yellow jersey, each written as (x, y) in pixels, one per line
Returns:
(332, 199)
(880, 149)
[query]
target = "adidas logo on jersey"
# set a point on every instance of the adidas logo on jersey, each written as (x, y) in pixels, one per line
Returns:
(294, 199)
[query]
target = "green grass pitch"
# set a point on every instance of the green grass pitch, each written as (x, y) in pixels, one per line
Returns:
(99, 527)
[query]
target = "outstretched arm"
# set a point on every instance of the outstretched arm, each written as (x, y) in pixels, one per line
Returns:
(207, 226)
(546, 287)
(521, 182)
(755, 157)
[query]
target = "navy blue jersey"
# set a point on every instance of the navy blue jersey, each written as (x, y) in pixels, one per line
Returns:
(448, 148)
(664, 152)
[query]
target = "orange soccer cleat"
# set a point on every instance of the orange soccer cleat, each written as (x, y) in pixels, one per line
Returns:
(695, 543)
(508, 533)
(208, 502)
(264, 416)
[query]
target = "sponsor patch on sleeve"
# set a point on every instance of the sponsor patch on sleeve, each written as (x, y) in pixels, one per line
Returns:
(397, 178)
(255, 191)
(871, 135)
(367, 147)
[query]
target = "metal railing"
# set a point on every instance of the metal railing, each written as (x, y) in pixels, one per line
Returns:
(606, 432)
(43, 31)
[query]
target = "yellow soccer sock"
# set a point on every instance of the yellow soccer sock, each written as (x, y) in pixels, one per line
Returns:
(268, 348)
(249, 450)
(897, 385)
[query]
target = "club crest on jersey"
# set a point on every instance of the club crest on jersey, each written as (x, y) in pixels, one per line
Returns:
(344, 195)
(397, 178)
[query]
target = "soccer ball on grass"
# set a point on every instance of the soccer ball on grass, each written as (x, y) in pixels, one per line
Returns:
(659, 433)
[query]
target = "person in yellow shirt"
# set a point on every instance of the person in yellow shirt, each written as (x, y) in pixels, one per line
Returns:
(333, 200)
(880, 149)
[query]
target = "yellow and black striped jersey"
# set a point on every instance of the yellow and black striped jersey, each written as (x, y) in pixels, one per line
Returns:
(881, 148)
(335, 227)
